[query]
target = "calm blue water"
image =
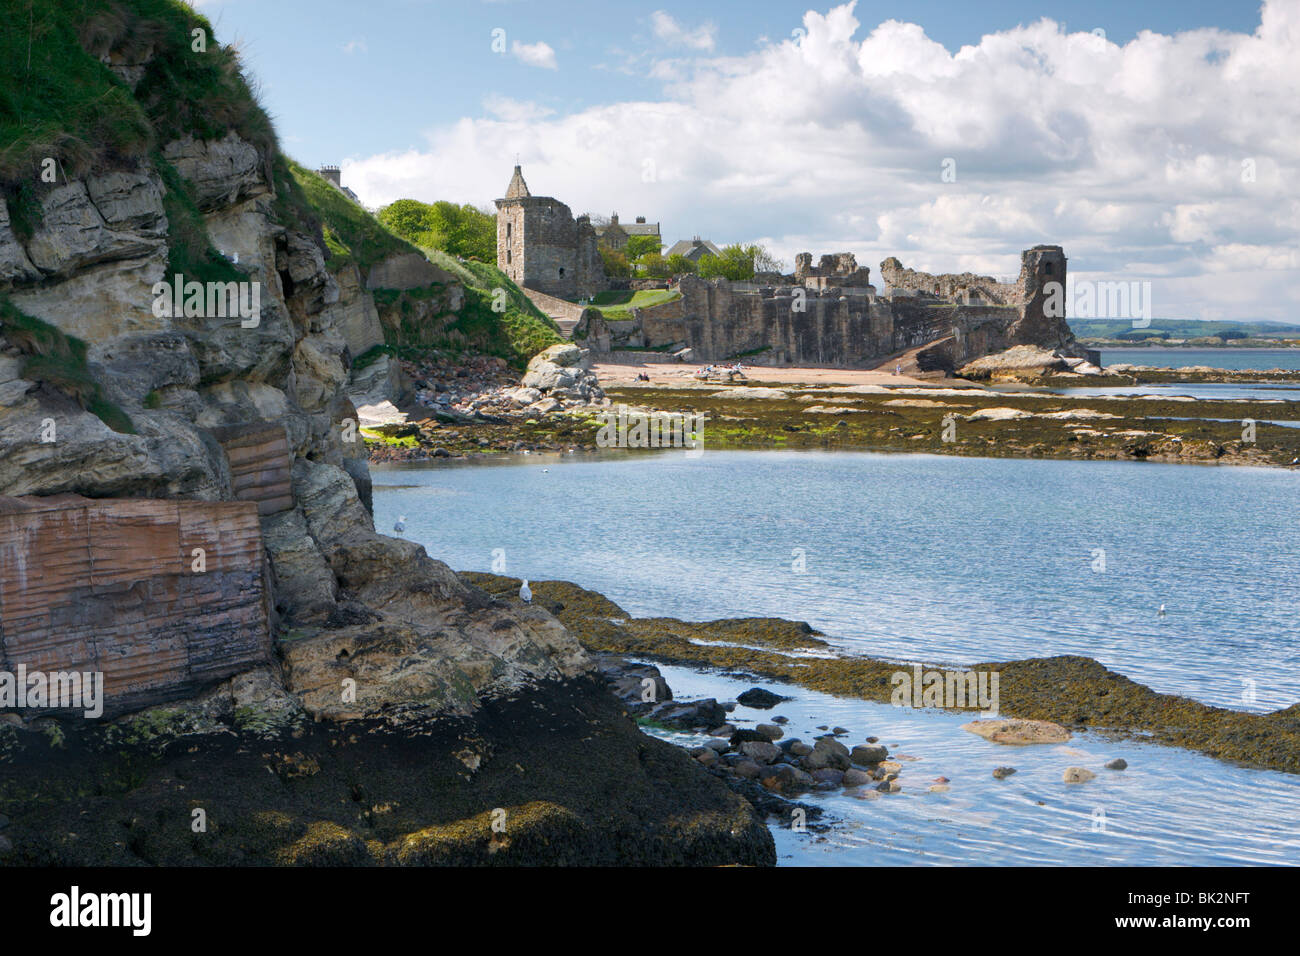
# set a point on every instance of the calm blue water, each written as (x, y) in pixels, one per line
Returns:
(1170, 807)
(1225, 358)
(940, 559)
(1218, 391)
(913, 557)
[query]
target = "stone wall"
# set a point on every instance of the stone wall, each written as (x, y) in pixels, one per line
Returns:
(949, 286)
(829, 315)
(110, 585)
(541, 246)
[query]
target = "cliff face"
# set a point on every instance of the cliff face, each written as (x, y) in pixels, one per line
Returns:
(233, 429)
(195, 386)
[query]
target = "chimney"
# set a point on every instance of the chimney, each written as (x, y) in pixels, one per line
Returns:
(331, 173)
(613, 219)
(640, 220)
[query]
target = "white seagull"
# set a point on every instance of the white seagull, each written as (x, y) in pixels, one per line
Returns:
(401, 524)
(1161, 612)
(525, 592)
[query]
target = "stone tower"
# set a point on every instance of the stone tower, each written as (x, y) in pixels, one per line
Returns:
(540, 245)
(1041, 288)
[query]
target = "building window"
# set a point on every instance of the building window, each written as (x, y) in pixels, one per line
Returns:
(561, 273)
(509, 229)
(507, 257)
(1047, 268)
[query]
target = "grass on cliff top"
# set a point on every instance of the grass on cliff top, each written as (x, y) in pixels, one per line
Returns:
(497, 318)
(57, 100)
(58, 360)
(617, 304)
(309, 203)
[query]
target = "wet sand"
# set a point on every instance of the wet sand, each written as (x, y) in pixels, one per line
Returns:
(679, 375)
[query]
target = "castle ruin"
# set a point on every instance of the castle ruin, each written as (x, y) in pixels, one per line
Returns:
(828, 314)
(541, 247)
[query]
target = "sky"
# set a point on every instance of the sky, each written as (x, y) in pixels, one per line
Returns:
(1156, 141)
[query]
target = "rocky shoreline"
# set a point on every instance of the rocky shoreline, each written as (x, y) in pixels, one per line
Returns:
(554, 775)
(1076, 693)
(954, 417)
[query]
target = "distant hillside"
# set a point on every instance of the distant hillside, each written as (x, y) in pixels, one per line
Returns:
(1178, 328)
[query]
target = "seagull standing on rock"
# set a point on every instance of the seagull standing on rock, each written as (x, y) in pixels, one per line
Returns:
(401, 524)
(525, 592)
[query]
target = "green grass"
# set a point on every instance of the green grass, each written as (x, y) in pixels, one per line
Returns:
(57, 99)
(58, 360)
(623, 300)
(371, 355)
(311, 204)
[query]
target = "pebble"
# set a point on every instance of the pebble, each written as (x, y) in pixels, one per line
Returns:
(1119, 763)
(839, 731)
(1000, 773)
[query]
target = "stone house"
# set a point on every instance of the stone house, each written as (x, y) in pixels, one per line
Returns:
(693, 249)
(614, 234)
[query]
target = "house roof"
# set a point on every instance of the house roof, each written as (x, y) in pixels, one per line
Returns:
(631, 228)
(693, 248)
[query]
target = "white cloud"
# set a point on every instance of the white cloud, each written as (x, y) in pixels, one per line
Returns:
(668, 30)
(535, 54)
(356, 46)
(1129, 156)
(512, 110)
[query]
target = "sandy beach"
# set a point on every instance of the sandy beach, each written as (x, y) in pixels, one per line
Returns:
(615, 374)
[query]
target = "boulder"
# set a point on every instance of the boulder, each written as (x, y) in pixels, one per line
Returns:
(1078, 775)
(771, 731)
(760, 751)
(759, 698)
(869, 753)
(856, 778)
(827, 753)
(1018, 732)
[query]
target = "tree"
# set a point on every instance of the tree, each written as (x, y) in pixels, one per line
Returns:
(655, 266)
(764, 261)
(638, 246)
(461, 230)
(680, 265)
(739, 263)
(616, 264)
(736, 263)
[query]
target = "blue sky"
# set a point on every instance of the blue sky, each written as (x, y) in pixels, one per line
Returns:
(1120, 130)
(399, 67)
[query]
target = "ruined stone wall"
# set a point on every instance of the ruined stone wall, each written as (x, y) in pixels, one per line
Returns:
(949, 286)
(111, 585)
(590, 268)
(845, 328)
